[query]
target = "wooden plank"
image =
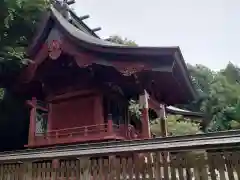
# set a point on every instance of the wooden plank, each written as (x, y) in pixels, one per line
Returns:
(211, 166)
(49, 170)
(236, 162)
(115, 168)
(100, 170)
(229, 164)
(180, 165)
(28, 171)
(123, 168)
(196, 173)
(94, 168)
(85, 166)
(173, 166)
(157, 166)
(106, 168)
(119, 167)
(68, 169)
(62, 170)
(130, 168)
(150, 166)
(144, 167)
(189, 175)
(202, 166)
(137, 166)
(165, 156)
(38, 170)
(43, 170)
(78, 170)
(220, 165)
(55, 169)
(1, 172)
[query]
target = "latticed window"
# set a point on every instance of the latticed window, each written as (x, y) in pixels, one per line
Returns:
(41, 122)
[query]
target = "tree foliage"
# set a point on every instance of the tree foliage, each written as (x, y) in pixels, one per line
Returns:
(120, 40)
(222, 95)
(177, 126)
(19, 19)
(18, 25)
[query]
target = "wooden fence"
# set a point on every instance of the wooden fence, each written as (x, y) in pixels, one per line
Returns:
(196, 165)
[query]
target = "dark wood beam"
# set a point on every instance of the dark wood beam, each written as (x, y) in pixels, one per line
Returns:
(70, 2)
(96, 29)
(81, 18)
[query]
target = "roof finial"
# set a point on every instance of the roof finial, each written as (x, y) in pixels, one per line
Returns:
(63, 7)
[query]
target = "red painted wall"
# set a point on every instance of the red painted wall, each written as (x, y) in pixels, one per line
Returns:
(72, 112)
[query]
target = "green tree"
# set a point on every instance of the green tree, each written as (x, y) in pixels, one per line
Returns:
(177, 126)
(232, 73)
(120, 40)
(19, 19)
(221, 94)
(201, 77)
(19, 24)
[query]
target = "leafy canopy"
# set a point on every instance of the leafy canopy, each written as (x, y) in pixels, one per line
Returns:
(19, 19)
(222, 94)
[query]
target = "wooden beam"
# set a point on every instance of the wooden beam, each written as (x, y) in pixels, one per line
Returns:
(81, 18)
(96, 29)
(71, 94)
(70, 2)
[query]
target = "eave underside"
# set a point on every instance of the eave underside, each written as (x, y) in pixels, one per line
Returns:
(161, 85)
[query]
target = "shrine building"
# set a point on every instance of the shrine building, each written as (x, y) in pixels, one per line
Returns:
(79, 85)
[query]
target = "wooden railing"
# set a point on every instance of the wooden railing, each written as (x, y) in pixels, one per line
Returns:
(71, 135)
(76, 131)
(79, 134)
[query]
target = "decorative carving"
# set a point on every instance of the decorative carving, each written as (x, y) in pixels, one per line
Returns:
(54, 49)
(54, 44)
(129, 68)
(128, 71)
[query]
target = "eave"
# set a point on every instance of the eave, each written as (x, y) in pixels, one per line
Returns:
(178, 111)
(95, 45)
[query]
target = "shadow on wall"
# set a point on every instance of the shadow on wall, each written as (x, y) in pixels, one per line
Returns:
(14, 122)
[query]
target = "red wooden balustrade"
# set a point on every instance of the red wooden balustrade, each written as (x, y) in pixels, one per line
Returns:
(85, 133)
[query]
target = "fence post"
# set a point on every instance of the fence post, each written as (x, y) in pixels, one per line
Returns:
(55, 168)
(28, 171)
(1, 172)
(211, 165)
(85, 165)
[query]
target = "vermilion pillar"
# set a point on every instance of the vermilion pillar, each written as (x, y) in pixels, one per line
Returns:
(32, 125)
(163, 121)
(49, 117)
(110, 129)
(143, 100)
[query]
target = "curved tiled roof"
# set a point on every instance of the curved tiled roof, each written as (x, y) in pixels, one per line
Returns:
(97, 45)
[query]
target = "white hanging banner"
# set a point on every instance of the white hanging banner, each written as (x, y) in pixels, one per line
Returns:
(162, 112)
(143, 100)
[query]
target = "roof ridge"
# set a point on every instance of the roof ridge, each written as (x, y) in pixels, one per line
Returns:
(64, 9)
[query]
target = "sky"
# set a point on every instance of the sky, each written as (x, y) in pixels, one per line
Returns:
(207, 31)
